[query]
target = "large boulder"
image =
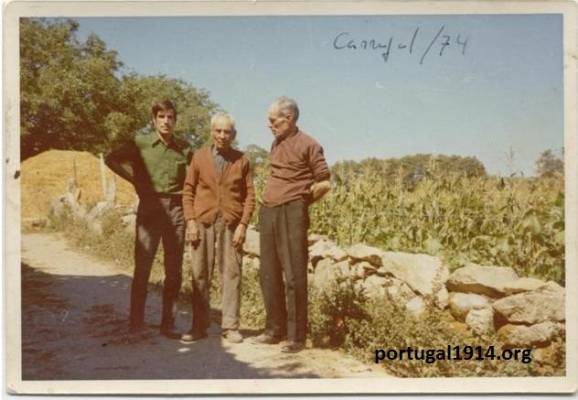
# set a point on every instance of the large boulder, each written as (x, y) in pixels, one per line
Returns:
(362, 252)
(251, 247)
(374, 286)
(327, 271)
(485, 280)
(461, 303)
(398, 291)
(326, 249)
(481, 320)
(522, 285)
(541, 305)
(527, 336)
(425, 274)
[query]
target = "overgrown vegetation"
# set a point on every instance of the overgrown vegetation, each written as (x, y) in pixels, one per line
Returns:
(342, 316)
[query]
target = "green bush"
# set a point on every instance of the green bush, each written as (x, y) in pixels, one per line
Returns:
(342, 316)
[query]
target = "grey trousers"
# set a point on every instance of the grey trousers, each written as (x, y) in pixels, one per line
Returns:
(216, 246)
(283, 273)
(158, 218)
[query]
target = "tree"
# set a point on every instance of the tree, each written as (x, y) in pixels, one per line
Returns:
(549, 165)
(67, 88)
(74, 97)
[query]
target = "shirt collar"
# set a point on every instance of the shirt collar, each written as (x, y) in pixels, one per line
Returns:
(155, 140)
(223, 153)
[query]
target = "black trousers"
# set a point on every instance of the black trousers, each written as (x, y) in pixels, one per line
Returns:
(158, 218)
(284, 258)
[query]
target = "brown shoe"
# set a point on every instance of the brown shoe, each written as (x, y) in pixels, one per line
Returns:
(293, 347)
(170, 333)
(233, 336)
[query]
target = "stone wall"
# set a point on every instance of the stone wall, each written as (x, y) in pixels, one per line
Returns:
(523, 312)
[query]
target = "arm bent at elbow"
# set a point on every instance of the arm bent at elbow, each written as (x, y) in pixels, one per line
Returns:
(319, 189)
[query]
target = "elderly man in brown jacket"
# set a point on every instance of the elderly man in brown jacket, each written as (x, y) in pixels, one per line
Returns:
(218, 200)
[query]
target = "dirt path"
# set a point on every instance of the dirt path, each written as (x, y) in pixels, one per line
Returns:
(74, 327)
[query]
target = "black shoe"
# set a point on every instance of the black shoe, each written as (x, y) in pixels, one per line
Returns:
(266, 338)
(293, 347)
(170, 333)
(193, 336)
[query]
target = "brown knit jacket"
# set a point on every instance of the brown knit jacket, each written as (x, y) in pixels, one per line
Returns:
(205, 192)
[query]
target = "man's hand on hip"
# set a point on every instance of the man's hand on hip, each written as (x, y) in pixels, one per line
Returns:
(239, 236)
(319, 189)
(192, 236)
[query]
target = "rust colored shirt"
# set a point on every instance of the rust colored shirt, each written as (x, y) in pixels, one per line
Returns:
(207, 192)
(297, 162)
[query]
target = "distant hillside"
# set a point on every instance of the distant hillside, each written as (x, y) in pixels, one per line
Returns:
(45, 176)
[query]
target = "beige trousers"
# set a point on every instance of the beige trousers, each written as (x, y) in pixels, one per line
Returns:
(216, 246)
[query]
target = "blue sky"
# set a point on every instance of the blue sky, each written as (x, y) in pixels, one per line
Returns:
(496, 85)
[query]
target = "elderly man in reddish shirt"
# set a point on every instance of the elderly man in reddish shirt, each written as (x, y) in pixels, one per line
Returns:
(299, 176)
(218, 201)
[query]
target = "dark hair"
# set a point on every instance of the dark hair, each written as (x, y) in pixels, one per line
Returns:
(164, 105)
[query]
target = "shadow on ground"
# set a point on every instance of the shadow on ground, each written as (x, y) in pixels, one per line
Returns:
(75, 327)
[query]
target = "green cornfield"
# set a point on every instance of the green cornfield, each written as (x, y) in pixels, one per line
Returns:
(515, 222)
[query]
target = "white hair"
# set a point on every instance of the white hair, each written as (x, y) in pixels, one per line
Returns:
(223, 115)
(286, 106)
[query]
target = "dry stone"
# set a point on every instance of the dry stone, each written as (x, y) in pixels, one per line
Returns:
(541, 305)
(526, 336)
(553, 286)
(374, 286)
(481, 320)
(485, 280)
(98, 210)
(326, 249)
(362, 252)
(251, 246)
(424, 274)
(327, 271)
(398, 291)
(442, 298)
(314, 238)
(416, 306)
(522, 285)
(461, 303)
(548, 355)
(357, 272)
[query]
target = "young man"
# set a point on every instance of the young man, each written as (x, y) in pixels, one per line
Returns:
(299, 176)
(218, 200)
(156, 165)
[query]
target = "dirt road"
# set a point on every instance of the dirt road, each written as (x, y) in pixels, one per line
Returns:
(74, 311)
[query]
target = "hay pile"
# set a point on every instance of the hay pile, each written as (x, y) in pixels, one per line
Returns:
(45, 176)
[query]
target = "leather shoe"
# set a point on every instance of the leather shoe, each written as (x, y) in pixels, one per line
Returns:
(233, 336)
(266, 338)
(193, 336)
(170, 333)
(293, 347)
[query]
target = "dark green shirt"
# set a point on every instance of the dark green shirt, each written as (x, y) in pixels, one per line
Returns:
(151, 165)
